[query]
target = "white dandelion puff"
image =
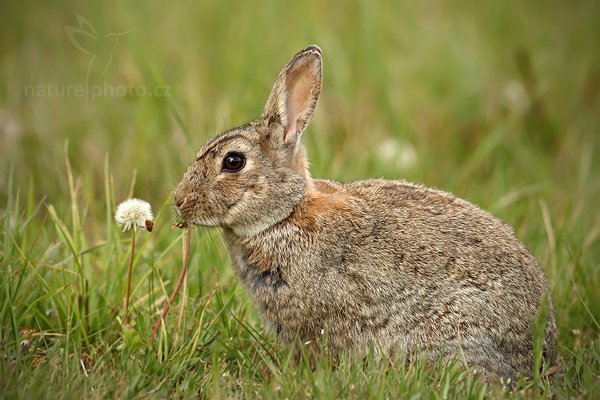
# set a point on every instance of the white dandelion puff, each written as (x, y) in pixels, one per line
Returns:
(133, 213)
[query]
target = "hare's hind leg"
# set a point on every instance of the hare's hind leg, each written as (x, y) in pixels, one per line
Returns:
(483, 355)
(478, 355)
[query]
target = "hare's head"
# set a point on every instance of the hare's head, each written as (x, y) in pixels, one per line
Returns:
(251, 177)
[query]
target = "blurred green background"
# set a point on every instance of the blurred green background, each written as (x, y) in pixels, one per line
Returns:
(444, 83)
(495, 101)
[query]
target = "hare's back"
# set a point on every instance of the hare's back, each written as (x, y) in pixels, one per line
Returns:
(467, 263)
(443, 234)
(427, 210)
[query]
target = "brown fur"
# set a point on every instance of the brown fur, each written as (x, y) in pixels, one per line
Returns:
(378, 263)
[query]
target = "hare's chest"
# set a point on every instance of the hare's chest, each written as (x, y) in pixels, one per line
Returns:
(281, 287)
(261, 272)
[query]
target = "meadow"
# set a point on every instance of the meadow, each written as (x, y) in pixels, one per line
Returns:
(495, 101)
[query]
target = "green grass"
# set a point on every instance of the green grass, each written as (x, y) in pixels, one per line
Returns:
(494, 101)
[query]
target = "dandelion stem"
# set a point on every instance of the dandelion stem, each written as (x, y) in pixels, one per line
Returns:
(186, 254)
(129, 275)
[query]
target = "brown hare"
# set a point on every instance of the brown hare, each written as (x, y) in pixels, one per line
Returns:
(385, 264)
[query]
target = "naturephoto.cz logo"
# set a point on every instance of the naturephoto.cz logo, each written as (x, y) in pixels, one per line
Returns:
(100, 50)
(95, 91)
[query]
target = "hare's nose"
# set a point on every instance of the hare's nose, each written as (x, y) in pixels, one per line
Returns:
(178, 200)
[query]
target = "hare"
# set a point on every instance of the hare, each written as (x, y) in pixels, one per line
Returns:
(380, 264)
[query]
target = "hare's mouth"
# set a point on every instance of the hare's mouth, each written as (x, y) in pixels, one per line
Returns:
(186, 215)
(204, 222)
(184, 220)
(182, 217)
(184, 209)
(198, 221)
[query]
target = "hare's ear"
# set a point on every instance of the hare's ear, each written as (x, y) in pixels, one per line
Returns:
(295, 94)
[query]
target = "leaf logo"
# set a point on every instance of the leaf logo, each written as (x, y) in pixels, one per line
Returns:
(99, 47)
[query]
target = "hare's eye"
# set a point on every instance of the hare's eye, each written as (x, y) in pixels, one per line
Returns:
(233, 162)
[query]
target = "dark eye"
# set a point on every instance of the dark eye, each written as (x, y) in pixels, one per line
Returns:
(233, 162)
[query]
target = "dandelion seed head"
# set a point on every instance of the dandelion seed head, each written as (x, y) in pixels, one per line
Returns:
(133, 213)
